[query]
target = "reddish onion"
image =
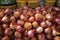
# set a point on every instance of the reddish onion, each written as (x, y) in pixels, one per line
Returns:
(5, 26)
(16, 14)
(49, 16)
(17, 34)
(20, 22)
(27, 25)
(48, 30)
(38, 17)
(1, 14)
(8, 32)
(39, 30)
(57, 20)
(31, 19)
(30, 33)
(35, 24)
(19, 28)
(5, 19)
(5, 38)
(12, 18)
(43, 24)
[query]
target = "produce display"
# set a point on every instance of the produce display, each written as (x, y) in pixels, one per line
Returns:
(41, 23)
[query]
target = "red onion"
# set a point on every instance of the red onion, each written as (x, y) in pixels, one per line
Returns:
(30, 33)
(57, 38)
(8, 11)
(44, 12)
(25, 7)
(5, 26)
(18, 38)
(49, 16)
(38, 17)
(12, 25)
(35, 24)
(17, 34)
(12, 18)
(22, 17)
(31, 19)
(54, 32)
(5, 38)
(5, 19)
(48, 23)
(49, 37)
(57, 20)
(16, 14)
(43, 24)
(39, 30)
(19, 28)
(8, 32)
(20, 22)
(34, 38)
(27, 25)
(48, 30)
(1, 14)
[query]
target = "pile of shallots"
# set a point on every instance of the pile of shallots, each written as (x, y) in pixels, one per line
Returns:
(41, 23)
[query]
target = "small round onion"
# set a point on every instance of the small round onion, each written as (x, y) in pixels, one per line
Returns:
(57, 20)
(18, 38)
(44, 12)
(31, 19)
(48, 30)
(48, 23)
(34, 38)
(8, 32)
(5, 26)
(19, 28)
(17, 34)
(43, 24)
(27, 25)
(38, 17)
(57, 38)
(1, 14)
(49, 16)
(20, 22)
(49, 37)
(22, 17)
(5, 19)
(30, 33)
(16, 14)
(54, 32)
(35, 24)
(39, 30)
(12, 18)
(5, 38)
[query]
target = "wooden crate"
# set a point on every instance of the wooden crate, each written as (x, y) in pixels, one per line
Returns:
(21, 4)
(20, 0)
(50, 3)
(33, 1)
(50, 0)
(32, 5)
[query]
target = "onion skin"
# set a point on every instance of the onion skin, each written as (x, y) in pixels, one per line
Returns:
(57, 38)
(39, 30)
(30, 33)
